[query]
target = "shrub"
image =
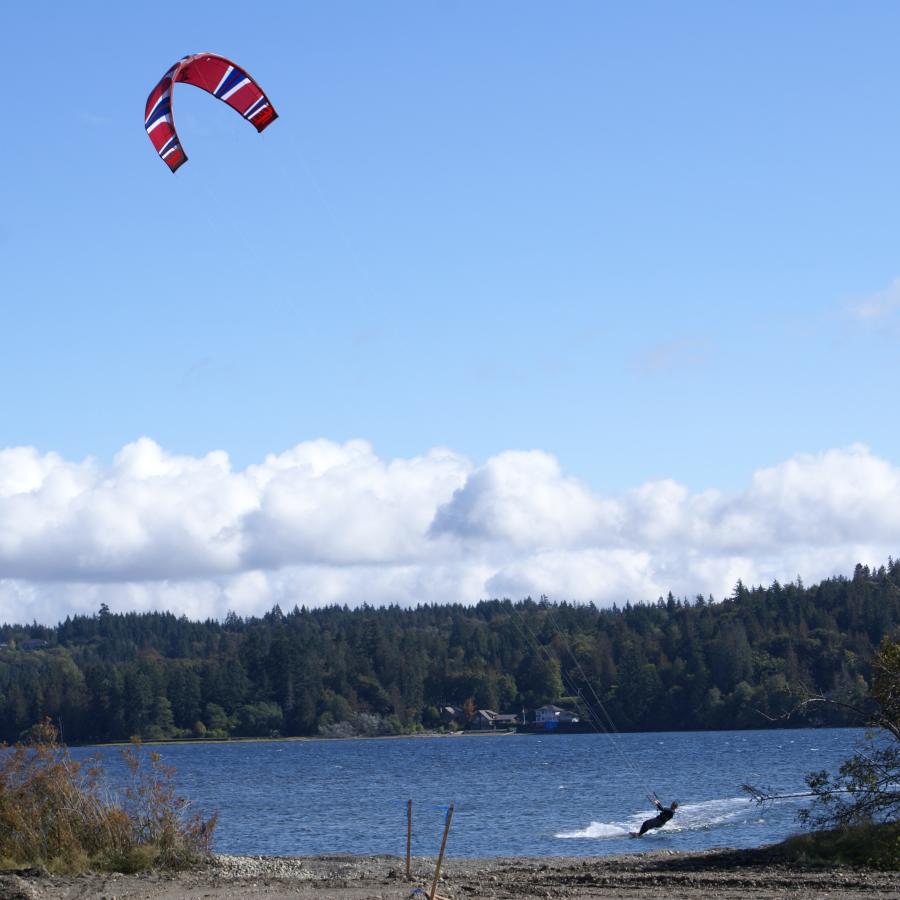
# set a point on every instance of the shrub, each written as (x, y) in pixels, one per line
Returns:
(55, 811)
(873, 845)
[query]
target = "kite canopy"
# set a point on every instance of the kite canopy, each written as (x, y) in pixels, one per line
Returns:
(221, 78)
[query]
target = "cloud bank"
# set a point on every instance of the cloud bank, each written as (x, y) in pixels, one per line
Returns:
(326, 523)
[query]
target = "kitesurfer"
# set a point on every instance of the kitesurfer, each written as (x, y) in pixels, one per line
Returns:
(665, 813)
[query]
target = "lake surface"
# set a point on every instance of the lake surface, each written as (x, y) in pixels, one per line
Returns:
(514, 794)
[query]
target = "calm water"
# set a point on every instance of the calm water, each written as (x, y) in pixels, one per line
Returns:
(514, 794)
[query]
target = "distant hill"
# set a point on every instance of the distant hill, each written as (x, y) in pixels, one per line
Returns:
(669, 665)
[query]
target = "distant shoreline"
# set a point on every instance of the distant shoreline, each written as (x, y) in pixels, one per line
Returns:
(173, 742)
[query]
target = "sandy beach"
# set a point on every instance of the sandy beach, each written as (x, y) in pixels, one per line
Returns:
(727, 874)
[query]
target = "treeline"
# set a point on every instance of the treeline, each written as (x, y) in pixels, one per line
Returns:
(674, 664)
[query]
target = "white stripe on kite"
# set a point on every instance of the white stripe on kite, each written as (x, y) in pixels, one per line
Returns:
(166, 118)
(255, 107)
(228, 71)
(235, 89)
(162, 97)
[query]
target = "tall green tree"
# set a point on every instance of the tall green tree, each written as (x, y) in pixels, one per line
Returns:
(866, 787)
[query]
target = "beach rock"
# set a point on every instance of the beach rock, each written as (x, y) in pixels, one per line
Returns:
(12, 887)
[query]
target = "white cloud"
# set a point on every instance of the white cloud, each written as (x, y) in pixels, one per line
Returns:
(524, 499)
(879, 304)
(329, 523)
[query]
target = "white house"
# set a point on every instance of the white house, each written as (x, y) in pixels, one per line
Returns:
(551, 713)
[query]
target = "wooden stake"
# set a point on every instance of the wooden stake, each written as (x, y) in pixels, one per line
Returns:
(408, 837)
(437, 868)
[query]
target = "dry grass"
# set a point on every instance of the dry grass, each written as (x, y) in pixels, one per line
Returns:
(55, 812)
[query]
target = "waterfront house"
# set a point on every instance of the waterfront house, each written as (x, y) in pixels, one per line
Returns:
(551, 713)
(504, 720)
(488, 720)
(453, 714)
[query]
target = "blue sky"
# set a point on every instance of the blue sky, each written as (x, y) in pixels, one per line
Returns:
(652, 241)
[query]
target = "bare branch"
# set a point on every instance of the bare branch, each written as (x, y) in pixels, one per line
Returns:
(863, 715)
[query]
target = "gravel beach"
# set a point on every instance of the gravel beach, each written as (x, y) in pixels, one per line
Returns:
(727, 874)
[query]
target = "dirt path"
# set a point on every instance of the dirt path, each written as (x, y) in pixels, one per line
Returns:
(717, 874)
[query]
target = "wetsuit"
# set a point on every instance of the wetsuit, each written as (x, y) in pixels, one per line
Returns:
(665, 813)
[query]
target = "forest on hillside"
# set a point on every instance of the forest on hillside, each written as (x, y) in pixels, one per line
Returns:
(674, 664)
